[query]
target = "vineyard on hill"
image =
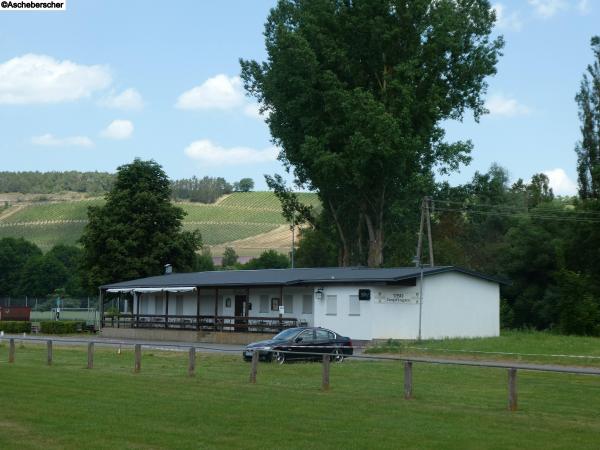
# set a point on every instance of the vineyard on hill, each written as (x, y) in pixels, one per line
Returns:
(250, 222)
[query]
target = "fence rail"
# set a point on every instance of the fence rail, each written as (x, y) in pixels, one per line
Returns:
(326, 358)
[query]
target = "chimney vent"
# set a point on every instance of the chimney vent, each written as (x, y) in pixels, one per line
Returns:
(168, 269)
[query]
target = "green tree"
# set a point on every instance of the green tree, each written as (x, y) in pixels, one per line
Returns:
(588, 149)
(269, 259)
(244, 185)
(356, 92)
(204, 261)
(138, 230)
(14, 254)
(230, 257)
(42, 275)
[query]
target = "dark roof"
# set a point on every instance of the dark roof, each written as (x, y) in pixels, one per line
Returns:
(291, 277)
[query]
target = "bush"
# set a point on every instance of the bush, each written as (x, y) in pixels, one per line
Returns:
(60, 327)
(9, 326)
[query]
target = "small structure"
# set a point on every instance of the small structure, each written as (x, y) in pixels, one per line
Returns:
(15, 313)
(362, 303)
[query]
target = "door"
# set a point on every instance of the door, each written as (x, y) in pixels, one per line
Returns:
(240, 321)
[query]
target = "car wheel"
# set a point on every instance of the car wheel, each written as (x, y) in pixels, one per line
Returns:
(279, 358)
(337, 356)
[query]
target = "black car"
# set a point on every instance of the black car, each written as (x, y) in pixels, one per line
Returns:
(301, 343)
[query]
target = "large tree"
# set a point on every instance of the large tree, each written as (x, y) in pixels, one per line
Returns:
(355, 92)
(588, 149)
(14, 254)
(138, 230)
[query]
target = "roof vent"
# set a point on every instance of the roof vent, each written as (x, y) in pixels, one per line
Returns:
(168, 269)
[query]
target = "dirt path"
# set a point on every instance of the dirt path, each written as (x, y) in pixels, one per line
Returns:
(10, 211)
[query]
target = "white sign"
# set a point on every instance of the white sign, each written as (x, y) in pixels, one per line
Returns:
(398, 298)
(281, 309)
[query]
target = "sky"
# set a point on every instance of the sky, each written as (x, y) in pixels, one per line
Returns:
(105, 81)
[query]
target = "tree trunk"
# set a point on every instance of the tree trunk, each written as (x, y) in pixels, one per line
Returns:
(344, 256)
(375, 255)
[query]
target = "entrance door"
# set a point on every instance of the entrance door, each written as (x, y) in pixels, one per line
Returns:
(240, 322)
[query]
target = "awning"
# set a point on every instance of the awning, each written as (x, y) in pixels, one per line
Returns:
(150, 290)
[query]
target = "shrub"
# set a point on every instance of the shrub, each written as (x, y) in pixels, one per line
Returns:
(9, 326)
(60, 327)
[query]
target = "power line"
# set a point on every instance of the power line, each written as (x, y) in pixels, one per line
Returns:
(522, 214)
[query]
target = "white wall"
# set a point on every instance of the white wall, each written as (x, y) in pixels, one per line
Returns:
(454, 305)
(459, 305)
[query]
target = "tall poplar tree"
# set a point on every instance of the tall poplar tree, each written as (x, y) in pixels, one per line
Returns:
(355, 92)
(588, 149)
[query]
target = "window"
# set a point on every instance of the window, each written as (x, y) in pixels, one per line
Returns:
(288, 303)
(307, 304)
(264, 304)
(307, 336)
(331, 305)
(354, 306)
(158, 304)
(179, 305)
(325, 335)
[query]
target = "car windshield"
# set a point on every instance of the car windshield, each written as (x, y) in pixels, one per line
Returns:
(286, 334)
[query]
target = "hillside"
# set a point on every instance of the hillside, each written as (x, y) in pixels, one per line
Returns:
(248, 221)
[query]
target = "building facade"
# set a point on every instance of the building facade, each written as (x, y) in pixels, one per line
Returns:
(364, 304)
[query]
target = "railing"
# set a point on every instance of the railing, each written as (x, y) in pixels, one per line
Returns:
(203, 322)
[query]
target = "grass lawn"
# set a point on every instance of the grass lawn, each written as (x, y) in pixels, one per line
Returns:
(523, 346)
(67, 406)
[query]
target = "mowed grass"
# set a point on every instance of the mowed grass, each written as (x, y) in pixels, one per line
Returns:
(67, 406)
(523, 346)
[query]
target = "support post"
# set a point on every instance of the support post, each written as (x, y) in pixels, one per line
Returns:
(428, 209)
(137, 296)
(11, 350)
(90, 361)
(100, 306)
(138, 358)
(408, 380)
(167, 309)
(326, 362)
(49, 345)
(198, 308)
(420, 239)
(254, 367)
(216, 307)
(192, 361)
(512, 389)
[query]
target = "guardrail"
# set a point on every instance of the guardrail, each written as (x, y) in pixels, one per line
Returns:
(324, 356)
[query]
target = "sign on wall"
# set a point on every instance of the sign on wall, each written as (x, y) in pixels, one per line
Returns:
(398, 296)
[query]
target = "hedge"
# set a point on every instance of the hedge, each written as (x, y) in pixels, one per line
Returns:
(13, 326)
(59, 327)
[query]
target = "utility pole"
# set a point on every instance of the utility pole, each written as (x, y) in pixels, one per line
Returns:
(425, 216)
(420, 239)
(293, 237)
(427, 202)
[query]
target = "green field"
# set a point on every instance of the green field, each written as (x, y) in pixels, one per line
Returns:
(67, 406)
(237, 216)
(522, 346)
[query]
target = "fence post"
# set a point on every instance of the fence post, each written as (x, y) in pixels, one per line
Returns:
(326, 361)
(90, 362)
(254, 367)
(408, 380)
(11, 350)
(49, 345)
(192, 361)
(512, 389)
(138, 358)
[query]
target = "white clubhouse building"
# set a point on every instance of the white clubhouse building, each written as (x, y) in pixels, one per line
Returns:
(361, 303)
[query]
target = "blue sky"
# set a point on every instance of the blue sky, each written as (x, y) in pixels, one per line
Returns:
(105, 81)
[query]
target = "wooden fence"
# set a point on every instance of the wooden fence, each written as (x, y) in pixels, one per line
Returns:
(326, 361)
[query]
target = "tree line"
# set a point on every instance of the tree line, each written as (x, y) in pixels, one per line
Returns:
(203, 190)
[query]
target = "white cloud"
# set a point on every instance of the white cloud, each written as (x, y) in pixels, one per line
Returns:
(129, 99)
(584, 6)
(49, 140)
(253, 110)
(548, 8)
(501, 105)
(118, 129)
(560, 182)
(219, 92)
(35, 78)
(507, 21)
(211, 154)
